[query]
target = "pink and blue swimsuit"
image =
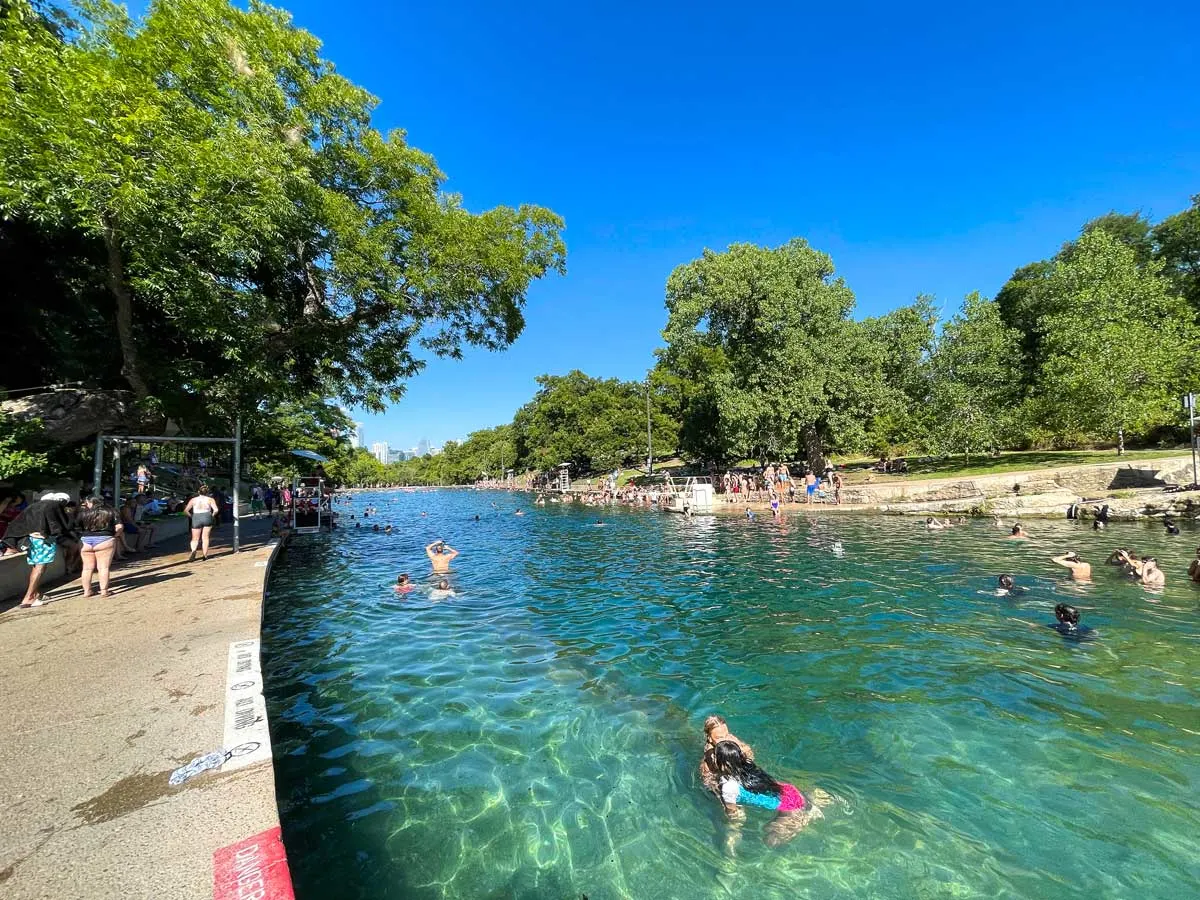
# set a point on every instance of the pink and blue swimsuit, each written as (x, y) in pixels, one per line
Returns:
(789, 799)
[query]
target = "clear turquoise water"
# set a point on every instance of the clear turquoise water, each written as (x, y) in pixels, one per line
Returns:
(537, 735)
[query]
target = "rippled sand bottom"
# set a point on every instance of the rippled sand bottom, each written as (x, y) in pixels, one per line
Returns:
(536, 735)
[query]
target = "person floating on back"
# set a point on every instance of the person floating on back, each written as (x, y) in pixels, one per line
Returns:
(1068, 624)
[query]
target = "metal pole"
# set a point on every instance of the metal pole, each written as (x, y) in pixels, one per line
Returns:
(98, 470)
(1192, 436)
(649, 435)
(237, 485)
(117, 475)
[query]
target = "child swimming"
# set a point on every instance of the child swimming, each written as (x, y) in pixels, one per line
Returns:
(743, 783)
(717, 729)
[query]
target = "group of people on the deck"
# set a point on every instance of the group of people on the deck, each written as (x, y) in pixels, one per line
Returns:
(93, 534)
(775, 484)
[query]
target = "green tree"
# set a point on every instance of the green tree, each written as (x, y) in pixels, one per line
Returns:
(903, 341)
(1121, 346)
(20, 462)
(798, 371)
(593, 424)
(1177, 247)
(976, 389)
(257, 238)
(1025, 299)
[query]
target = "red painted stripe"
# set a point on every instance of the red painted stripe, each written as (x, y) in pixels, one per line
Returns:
(253, 869)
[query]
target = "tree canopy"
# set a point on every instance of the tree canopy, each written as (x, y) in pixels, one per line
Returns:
(209, 196)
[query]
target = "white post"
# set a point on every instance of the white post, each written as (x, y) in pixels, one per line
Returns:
(237, 484)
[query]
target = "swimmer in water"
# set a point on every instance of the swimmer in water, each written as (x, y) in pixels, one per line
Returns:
(387, 530)
(440, 556)
(1194, 568)
(743, 783)
(1151, 575)
(598, 523)
(933, 524)
(375, 527)
(519, 512)
(403, 585)
(1080, 571)
(1068, 624)
(716, 729)
(750, 515)
(441, 590)
(1005, 586)
(1171, 527)
(1018, 533)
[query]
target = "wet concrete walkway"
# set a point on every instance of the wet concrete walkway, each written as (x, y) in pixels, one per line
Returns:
(102, 700)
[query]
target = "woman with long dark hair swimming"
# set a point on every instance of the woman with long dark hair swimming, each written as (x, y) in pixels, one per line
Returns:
(743, 783)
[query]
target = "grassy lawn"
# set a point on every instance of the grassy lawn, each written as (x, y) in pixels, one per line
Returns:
(858, 469)
(1017, 461)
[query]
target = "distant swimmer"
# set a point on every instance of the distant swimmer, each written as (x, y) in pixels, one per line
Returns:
(440, 556)
(599, 523)
(441, 590)
(403, 584)
(1018, 532)
(375, 527)
(388, 529)
(519, 512)
(1194, 568)
(1171, 527)
(1080, 571)
(1068, 624)
(1005, 587)
(933, 524)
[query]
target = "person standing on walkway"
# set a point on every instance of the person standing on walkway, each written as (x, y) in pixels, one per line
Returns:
(99, 527)
(203, 510)
(41, 525)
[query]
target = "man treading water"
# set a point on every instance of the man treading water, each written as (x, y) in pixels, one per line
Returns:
(440, 556)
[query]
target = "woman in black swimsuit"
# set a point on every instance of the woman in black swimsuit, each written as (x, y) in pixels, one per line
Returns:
(203, 510)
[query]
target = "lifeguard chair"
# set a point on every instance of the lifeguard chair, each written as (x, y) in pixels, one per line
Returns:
(564, 477)
(309, 513)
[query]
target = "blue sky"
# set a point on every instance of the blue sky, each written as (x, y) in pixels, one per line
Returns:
(927, 147)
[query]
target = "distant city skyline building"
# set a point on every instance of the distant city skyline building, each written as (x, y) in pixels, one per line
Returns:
(360, 436)
(423, 447)
(380, 451)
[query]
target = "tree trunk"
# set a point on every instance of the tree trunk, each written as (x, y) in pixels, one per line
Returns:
(814, 450)
(120, 291)
(1120, 442)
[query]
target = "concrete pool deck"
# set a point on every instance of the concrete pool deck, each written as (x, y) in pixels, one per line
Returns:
(103, 700)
